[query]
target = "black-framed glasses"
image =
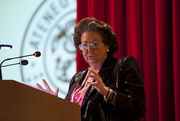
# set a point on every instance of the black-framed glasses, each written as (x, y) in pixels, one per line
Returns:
(94, 45)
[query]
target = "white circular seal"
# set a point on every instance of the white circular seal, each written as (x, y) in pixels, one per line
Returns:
(50, 31)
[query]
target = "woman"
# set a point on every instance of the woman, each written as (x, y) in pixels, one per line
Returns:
(110, 89)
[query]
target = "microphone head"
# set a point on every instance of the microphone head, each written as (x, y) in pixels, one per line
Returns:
(23, 62)
(37, 54)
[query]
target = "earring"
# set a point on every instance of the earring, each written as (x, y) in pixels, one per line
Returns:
(108, 50)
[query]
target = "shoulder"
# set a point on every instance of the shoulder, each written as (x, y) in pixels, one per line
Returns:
(127, 59)
(128, 62)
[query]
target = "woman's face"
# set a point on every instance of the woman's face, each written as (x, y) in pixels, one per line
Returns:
(94, 52)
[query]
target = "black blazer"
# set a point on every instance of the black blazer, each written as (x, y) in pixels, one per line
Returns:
(122, 76)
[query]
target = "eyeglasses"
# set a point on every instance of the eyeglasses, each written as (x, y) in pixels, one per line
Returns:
(84, 46)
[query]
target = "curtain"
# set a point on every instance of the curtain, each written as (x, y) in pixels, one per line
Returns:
(149, 30)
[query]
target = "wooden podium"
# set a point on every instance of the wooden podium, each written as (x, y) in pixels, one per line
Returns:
(19, 102)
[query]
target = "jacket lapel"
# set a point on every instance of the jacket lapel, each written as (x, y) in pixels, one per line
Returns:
(77, 80)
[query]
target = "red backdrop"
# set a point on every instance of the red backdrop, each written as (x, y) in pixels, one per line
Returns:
(149, 30)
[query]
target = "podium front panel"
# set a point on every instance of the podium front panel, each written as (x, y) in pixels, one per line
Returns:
(20, 102)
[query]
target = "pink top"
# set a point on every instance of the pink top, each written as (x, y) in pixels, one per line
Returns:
(78, 96)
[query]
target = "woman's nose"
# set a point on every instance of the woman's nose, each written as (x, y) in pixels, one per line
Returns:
(90, 48)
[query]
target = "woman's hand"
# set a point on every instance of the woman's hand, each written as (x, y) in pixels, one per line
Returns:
(47, 89)
(98, 84)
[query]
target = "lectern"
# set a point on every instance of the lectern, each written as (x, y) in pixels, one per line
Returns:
(20, 102)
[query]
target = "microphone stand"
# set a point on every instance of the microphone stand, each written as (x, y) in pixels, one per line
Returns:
(5, 66)
(36, 54)
(1, 71)
(0, 74)
(3, 46)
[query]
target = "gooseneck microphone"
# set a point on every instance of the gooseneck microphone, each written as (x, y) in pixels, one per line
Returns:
(36, 54)
(23, 62)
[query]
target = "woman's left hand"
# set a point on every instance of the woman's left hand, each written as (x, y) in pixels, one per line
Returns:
(47, 88)
(98, 84)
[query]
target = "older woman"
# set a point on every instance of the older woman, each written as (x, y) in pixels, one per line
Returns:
(110, 89)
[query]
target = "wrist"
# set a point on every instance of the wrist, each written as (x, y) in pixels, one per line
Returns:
(106, 91)
(108, 94)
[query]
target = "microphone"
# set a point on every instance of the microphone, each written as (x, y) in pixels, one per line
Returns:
(3, 46)
(23, 62)
(36, 54)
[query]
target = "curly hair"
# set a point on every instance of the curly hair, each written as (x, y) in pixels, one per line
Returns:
(92, 24)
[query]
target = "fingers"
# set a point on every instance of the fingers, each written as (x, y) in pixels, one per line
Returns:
(94, 84)
(93, 71)
(46, 84)
(95, 76)
(40, 87)
(47, 88)
(98, 84)
(98, 81)
(56, 91)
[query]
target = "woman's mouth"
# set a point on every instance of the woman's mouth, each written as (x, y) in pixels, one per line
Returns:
(91, 57)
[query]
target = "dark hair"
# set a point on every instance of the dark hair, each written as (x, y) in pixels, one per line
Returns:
(91, 24)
